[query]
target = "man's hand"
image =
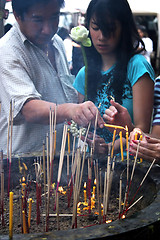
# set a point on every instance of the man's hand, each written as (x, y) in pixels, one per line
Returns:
(86, 112)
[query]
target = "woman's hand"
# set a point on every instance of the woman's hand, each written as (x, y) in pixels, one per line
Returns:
(116, 114)
(148, 150)
(136, 134)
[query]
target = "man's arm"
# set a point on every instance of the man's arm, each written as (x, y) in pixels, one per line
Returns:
(37, 111)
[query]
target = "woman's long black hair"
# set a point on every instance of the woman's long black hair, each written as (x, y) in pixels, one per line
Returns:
(106, 12)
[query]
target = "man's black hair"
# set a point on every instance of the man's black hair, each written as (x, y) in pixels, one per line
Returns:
(23, 6)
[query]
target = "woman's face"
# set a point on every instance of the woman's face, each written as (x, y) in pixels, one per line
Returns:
(104, 45)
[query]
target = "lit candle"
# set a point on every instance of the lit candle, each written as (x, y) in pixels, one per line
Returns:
(23, 188)
(10, 215)
(92, 203)
(29, 213)
(85, 196)
(23, 185)
(94, 192)
(121, 145)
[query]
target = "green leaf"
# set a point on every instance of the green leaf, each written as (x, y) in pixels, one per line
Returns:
(87, 42)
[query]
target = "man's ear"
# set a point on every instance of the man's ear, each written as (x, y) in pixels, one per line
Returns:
(18, 18)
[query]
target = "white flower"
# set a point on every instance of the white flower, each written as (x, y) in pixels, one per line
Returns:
(80, 34)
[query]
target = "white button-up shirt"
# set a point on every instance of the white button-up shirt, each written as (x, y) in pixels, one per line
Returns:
(26, 72)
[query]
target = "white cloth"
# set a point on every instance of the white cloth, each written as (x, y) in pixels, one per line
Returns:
(149, 48)
(68, 47)
(26, 72)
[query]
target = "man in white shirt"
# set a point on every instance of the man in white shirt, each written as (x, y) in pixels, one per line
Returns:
(34, 73)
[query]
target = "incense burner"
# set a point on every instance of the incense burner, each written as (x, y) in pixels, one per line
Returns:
(143, 224)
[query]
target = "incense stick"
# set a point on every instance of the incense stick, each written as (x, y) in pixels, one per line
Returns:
(63, 144)
(10, 146)
(2, 190)
(135, 202)
(95, 128)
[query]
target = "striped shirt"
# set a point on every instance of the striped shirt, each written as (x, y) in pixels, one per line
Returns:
(156, 114)
(26, 72)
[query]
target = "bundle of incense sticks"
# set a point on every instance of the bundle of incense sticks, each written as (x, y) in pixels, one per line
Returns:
(80, 160)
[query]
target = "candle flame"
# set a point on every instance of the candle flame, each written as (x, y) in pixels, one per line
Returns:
(123, 216)
(61, 190)
(85, 185)
(78, 204)
(108, 221)
(23, 179)
(126, 128)
(95, 181)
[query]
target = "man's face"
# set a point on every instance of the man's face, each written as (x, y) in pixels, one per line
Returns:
(40, 23)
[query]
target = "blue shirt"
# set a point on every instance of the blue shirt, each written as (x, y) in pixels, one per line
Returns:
(137, 67)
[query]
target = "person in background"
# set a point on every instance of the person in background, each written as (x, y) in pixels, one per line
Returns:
(148, 43)
(34, 74)
(64, 34)
(77, 57)
(116, 69)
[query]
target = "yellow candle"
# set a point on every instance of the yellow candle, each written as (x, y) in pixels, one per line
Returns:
(23, 188)
(24, 222)
(69, 147)
(92, 203)
(127, 140)
(136, 136)
(121, 145)
(141, 160)
(94, 191)
(85, 196)
(10, 215)
(114, 126)
(113, 141)
(29, 213)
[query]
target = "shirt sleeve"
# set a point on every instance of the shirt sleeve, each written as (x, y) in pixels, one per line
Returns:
(156, 113)
(79, 83)
(16, 83)
(137, 67)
